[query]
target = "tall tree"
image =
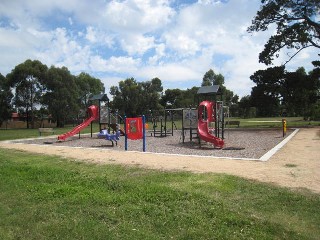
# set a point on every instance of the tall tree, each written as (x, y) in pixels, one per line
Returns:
(126, 97)
(245, 107)
(172, 98)
(150, 95)
(296, 22)
(211, 78)
(177, 98)
(27, 80)
(266, 104)
(297, 91)
(61, 96)
(88, 86)
(5, 99)
(315, 76)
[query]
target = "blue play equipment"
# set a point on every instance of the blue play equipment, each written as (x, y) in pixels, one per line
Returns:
(111, 137)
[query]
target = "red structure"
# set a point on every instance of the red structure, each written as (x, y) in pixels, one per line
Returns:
(134, 128)
(206, 114)
(93, 112)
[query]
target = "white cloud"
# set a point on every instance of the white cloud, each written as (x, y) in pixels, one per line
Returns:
(91, 35)
(182, 44)
(124, 64)
(137, 15)
(168, 72)
(159, 53)
(136, 44)
(139, 38)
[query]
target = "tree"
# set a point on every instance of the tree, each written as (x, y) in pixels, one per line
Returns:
(150, 95)
(62, 95)
(211, 78)
(88, 86)
(296, 23)
(27, 80)
(267, 105)
(270, 80)
(126, 97)
(5, 99)
(296, 91)
(172, 98)
(177, 98)
(189, 97)
(245, 107)
(315, 76)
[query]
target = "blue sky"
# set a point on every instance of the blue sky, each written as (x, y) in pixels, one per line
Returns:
(177, 41)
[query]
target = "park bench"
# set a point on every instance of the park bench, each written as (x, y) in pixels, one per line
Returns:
(228, 123)
(45, 130)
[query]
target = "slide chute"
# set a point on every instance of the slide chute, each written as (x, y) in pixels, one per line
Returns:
(205, 116)
(93, 112)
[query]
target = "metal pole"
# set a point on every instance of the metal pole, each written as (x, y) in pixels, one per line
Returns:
(125, 133)
(190, 123)
(182, 127)
(144, 132)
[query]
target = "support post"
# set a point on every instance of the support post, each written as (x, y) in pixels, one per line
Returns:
(144, 132)
(284, 127)
(125, 134)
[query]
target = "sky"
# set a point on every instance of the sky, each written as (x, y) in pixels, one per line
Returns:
(177, 41)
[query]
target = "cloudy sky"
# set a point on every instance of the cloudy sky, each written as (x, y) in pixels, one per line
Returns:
(177, 41)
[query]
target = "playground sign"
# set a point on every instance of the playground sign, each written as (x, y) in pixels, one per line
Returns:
(190, 118)
(104, 114)
(134, 130)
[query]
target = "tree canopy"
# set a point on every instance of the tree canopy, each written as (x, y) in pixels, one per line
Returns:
(27, 79)
(134, 98)
(33, 88)
(38, 89)
(296, 26)
(211, 78)
(88, 86)
(62, 94)
(296, 91)
(5, 99)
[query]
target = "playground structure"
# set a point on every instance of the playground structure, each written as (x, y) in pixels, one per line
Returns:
(93, 112)
(101, 113)
(159, 123)
(134, 127)
(205, 123)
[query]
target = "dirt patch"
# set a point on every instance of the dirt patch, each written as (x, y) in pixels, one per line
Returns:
(250, 144)
(296, 165)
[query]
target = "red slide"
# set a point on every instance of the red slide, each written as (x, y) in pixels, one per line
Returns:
(203, 129)
(93, 115)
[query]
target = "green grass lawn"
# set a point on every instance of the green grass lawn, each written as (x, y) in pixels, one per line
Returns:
(253, 123)
(271, 122)
(46, 197)
(10, 134)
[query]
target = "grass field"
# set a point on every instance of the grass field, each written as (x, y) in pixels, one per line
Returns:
(46, 197)
(256, 123)
(11, 134)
